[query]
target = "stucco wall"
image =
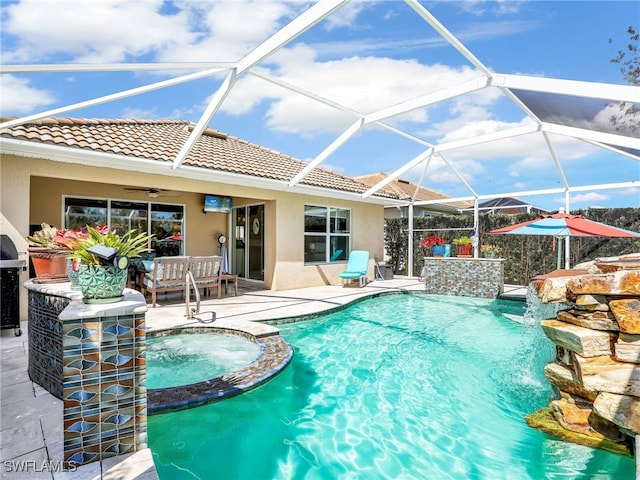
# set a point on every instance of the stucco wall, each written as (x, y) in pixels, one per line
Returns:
(367, 227)
(32, 192)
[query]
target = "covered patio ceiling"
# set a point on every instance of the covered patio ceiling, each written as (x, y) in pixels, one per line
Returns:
(604, 116)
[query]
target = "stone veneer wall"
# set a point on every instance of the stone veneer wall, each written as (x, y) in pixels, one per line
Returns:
(466, 277)
(596, 372)
(96, 366)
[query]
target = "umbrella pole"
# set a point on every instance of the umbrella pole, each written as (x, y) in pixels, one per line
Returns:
(559, 265)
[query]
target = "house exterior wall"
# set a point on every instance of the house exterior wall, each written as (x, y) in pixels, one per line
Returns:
(32, 192)
(367, 227)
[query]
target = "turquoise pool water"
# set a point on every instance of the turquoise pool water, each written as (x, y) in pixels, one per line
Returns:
(398, 387)
(187, 358)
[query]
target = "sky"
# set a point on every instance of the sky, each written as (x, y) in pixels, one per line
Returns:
(365, 56)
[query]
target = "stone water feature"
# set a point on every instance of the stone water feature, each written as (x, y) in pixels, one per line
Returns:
(596, 372)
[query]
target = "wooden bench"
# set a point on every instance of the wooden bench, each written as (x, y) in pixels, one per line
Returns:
(206, 272)
(169, 275)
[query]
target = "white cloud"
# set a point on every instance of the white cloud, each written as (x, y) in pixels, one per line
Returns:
(91, 32)
(583, 198)
(346, 15)
(227, 30)
(363, 84)
(19, 97)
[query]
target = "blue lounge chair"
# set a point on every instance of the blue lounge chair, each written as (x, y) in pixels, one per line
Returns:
(357, 267)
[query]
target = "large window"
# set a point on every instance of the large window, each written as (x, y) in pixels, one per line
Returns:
(164, 221)
(327, 232)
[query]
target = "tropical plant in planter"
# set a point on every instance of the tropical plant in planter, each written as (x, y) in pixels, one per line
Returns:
(464, 246)
(49, 250)
(490, 251)
(103, 257)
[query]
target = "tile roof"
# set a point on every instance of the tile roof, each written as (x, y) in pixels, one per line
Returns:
(405, 190)
(161, 140)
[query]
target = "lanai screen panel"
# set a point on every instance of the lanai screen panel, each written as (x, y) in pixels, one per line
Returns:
(597, 114)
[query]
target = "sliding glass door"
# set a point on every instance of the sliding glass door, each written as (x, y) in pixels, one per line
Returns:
(247, 242)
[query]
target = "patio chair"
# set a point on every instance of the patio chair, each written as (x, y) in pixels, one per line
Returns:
(357, 267)
(206, 272)
(169, 274)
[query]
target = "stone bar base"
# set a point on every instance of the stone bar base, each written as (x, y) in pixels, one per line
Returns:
(465, 277)
(93, 358)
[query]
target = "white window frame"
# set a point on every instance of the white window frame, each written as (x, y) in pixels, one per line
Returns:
(328, 236)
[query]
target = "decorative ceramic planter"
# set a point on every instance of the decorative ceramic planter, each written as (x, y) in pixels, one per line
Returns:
(49, 264)
(490, 255)
(438, 251)
(102, 284)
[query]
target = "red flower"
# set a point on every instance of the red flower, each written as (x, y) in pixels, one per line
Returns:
(431, 241)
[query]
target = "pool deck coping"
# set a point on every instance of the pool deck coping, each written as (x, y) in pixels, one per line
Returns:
(31, 418)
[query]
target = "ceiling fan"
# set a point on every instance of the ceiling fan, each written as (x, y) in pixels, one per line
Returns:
(151, 192)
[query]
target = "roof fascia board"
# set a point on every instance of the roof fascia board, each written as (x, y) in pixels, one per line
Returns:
(592, 135)
(114, 67)
(58, 153)
(109, 98)
(107, 160)
(199, 173)
(623, 93)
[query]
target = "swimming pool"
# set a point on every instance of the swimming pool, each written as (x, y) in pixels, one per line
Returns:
(399, 386)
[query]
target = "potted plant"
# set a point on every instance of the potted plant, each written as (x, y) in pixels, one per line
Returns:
(490, 251)
(103, 257)
(49, 250)
(435, 243)
(464, 246)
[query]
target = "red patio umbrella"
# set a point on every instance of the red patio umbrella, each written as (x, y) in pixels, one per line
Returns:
(562, 225)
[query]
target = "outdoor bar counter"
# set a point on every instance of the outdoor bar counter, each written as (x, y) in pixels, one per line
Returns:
(92, 357)
(466, 277)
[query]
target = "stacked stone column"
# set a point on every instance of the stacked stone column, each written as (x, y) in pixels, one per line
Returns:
(596, 372)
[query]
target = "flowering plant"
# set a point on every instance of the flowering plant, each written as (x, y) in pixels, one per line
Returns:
(57, 238)
(431, 241)
(489, 248)
(129, 244)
